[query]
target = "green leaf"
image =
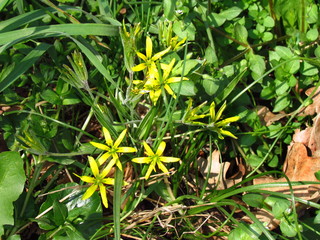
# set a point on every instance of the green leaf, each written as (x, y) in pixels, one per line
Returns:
(168, 9)
(253, 200)
(292, 67)
(51, 96)
(230, 13)
(317, 175)
(280, 208)
(12, 179)
(241, 33)
(184, 29)
(60, 30)
(281, 103)
(187, 88)
(268, 22)
(284, 52)
(308, 69)
(24, 65)
(288, 229)
(60, 213)
(312, 34)
(256, 65)
(215, 19)
(185, 67)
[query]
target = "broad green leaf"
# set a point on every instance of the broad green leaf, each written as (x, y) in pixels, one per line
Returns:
(281, 87)
(215, 19)
(253, 199)
(284, 52)
(312, 34)
(24, 65)
(211, 85)
(185, 67)
(241, 33)
(281, 103)
(12, 179)
(184, 29)
(308, 69)
(268, 22)
(3, 3)
(317, 175)
(60, 213)
(51, 96)
(292, 67)
(288, 229)
(187, 88)
(280, 208)
(230, 13)
(168, 8)
(256, 65)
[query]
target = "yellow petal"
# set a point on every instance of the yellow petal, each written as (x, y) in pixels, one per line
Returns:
(139, 67)
(150, 169)
(94, 166)
(142, 160)
(107, 136)
(120, 138)
(89, 191)
(107, 169)
(213, 111)
(220, 111)
(162, 167)
(169, 90)
(148, 47)
(100, 146)
(160, 54)
(119, 165)
(226, 121)
(169, 159)
(149, 151)
(142, 56)
(176, 79)
(126, 149)
(108, 181)
(227, 133)
(86, 178)
(154, 96)
(103, 158)
(103, 194)
(161, 148)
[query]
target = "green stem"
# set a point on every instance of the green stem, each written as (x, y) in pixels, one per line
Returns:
(117, 203)
(33, 184)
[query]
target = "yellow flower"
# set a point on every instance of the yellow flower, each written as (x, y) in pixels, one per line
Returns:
(98, 181)
(216, 125)
(112, 149)
(149, 60)
(154, 159)
(157, 82)
(192, 113)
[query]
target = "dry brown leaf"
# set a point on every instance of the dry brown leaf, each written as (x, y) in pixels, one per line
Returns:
(315, 106)
(217, 172)
(267, 117)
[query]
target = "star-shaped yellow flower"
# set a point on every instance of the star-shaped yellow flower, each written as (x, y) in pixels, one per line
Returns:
(98, 181)
(157, 82)
(112, 149)
(154, 159)
(216, 125)
(149, 60)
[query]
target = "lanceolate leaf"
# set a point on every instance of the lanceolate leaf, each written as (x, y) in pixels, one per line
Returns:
(12, 178)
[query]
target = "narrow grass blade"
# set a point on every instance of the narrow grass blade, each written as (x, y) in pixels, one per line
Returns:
(56, 30)
(24, 65)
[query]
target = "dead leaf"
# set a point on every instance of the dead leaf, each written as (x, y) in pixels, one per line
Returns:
(315, 106)
(267, 117)
(217, 172)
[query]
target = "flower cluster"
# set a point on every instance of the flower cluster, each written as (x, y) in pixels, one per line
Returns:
(215, 123)
(157, 75)
(111, 156)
